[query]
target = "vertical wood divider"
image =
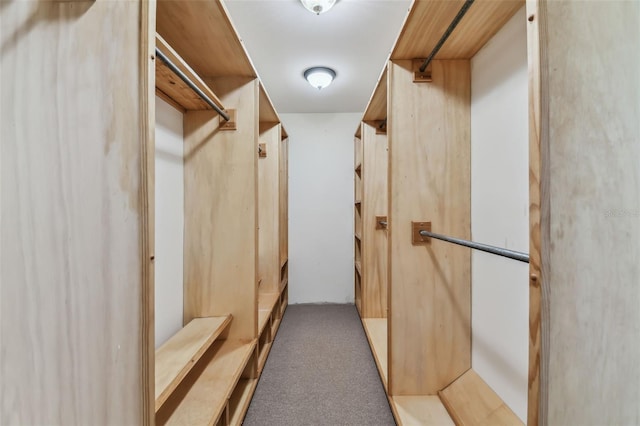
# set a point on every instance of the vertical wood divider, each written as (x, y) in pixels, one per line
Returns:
(221, 210)
(428, 127)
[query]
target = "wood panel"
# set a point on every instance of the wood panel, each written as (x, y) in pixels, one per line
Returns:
(376, 330)
(375, 203)
(240, 400)
(377, 106)
(267, 112)
(590, 221)
(538, 367)
(284, 201)
(221, 216)
(471, 402)
(429, 180)
(147, 210)
(202, 397)
(202, 33)
(268, 208)
(429, 19)
(175, 358)
(173, 87)
(420, 410)
(74, 265)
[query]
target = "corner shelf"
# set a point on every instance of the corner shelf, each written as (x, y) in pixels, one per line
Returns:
(176, 357)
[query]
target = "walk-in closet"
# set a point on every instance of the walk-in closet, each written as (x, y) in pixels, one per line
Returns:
(319, 212)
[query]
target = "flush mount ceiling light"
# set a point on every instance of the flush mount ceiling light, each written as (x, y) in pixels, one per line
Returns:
(319, 77)
(318, 6)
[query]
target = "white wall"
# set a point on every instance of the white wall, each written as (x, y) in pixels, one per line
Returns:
(321, 206)
(500, 213)
(169, 228)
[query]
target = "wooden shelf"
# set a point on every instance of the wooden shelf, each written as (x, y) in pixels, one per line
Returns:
(426, 410)
(377, 106)
(357, 235)
(202, 32)
(264, 354)
(202, 399)
(239, 402)
(176, 357)
(429, 19)
(358, 170)
(470, 401)
(376, 331)
(266, 112)
(263, 319)
(358, 268)
(172, 87)
(266, 301)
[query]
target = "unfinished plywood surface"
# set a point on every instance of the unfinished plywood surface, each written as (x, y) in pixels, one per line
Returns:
(240, 400)
(267, 112)
(471, 402)
(429, 162)
(175, 358)
(74, 238)
(202, 33)
(268, 208)
(590, 210)
(173, 87)
(375, 246)
(284, 200)
(202, 396)
(429, 19)
(423, 410)
(376, 330)
(377, 106)
(535, 405)
(221, 216)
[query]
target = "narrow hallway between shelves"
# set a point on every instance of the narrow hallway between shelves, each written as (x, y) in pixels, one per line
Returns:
(320, 372)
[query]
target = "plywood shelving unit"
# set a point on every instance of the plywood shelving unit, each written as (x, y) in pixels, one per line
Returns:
(415, 139)
(176, 357)
(235, 216)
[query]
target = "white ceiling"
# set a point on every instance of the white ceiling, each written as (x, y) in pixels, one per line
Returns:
(283, 39)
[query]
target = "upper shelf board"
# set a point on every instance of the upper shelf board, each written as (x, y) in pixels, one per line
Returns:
(203, 34)
(377, 107)
(173, 86)
(429, 19)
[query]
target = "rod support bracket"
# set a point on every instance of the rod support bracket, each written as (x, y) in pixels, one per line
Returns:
(418, 76)
(416, 238)
(231, 124)
(262, 150)
(381, 222)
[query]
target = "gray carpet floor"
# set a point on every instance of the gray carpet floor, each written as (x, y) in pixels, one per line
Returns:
(320, 372)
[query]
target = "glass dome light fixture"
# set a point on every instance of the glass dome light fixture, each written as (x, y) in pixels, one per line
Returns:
(319, 77)
(318, 6)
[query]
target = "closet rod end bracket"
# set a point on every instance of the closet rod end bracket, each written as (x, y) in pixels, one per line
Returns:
(231, 123)
(421, 76)
(416, 238)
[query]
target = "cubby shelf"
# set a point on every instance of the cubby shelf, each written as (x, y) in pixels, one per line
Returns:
(176, 357)
(239, 402)
(212, 380)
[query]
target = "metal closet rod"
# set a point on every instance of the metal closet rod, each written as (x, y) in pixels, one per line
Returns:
(383, 223)
(511, 254)
(190, 83)
(467, 4)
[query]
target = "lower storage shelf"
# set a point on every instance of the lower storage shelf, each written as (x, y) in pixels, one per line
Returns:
(240, 399)
(425, 410)
(376, 331)
(202, 396)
